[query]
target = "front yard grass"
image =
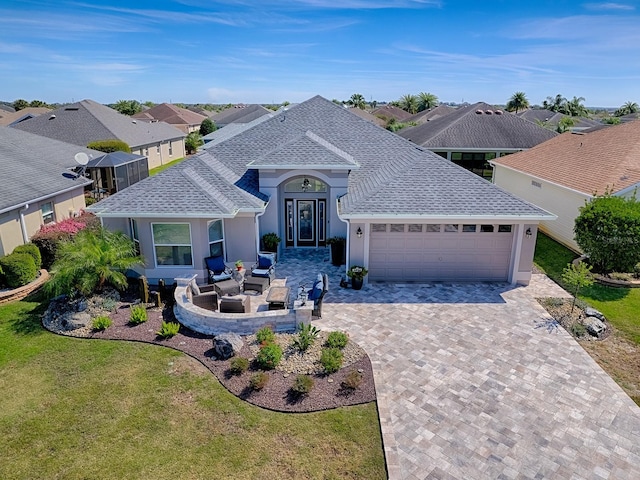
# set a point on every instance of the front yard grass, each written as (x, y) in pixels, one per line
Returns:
(161, 168)
(77, 408)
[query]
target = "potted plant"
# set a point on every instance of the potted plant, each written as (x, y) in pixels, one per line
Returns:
(270, 242)
(239, 265)
(356, 273)
(338, 253)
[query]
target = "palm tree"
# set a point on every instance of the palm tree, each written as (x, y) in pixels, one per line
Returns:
(554, 103)
(627, 108)
(409, 103)
(426, 101)
(575, 107)
(91, 260)
(518, 101)
(357, 100)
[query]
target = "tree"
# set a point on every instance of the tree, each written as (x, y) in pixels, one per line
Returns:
(576, 276)
(565, 124)
(193, 141)
(20, 104)
(409, 103)
(627, 108)
(357, 100)
(518, 101)
(128, 107)
(207, 126)
(608, 232)
(38, 103)
(109, 145)
(426, 101)
(555, 104)
(91, 260)
(575, 108)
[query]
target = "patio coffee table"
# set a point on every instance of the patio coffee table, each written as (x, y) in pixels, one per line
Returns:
(259, 284)
(278, 298)
(227, 287)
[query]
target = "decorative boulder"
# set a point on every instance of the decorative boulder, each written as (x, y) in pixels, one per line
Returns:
(226, 345)
(592, 312)
(594, 325)
(73, 321)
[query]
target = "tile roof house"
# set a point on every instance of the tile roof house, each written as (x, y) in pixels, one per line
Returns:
(11, 118)
(239, 114)
(184, 120)
(87, 121)
(317, 171)
(551, 119)
(37, 185)
(560, 175)
(475, 134)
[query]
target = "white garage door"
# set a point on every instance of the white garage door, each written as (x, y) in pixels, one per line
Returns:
(446, 252)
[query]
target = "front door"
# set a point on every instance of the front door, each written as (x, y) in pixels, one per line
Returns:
(306, 222)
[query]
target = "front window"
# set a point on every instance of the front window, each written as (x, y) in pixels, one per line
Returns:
(216, 239)
(305, 185)
(172, 244)
(134, 235)
(47, 212)
(170, 148)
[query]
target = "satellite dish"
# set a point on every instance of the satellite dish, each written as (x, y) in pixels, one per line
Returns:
(81, 158)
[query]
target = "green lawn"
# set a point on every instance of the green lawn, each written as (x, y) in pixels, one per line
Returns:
(77, 408)
(621, 306)
(155, 171)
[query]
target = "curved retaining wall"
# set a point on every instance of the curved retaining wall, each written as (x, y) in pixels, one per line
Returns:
(214, 323)
(21, 292)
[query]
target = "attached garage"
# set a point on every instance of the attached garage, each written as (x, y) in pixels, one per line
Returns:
(404, 252)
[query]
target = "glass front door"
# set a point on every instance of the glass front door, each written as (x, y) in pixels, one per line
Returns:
(305, 222)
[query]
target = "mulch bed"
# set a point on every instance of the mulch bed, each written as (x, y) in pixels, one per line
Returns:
(327, 392)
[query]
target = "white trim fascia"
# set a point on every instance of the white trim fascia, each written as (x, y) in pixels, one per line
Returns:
(508, 218)
(304, 167)
(484, 149)
(628, 189)
(173, 215)
(559, 185)
(44, 197)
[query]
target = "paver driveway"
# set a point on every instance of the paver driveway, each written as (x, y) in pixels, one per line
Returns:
(474, 382)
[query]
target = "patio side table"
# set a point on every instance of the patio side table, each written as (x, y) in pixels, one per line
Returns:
(278, 298)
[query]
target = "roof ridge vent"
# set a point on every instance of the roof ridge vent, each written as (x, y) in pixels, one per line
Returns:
(479, 112)
(498, 112)
(488, 112)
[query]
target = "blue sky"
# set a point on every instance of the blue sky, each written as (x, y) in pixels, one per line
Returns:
(264, 51)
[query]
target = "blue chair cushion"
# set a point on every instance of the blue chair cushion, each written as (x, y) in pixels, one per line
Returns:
(216, 264)
(265, 260)
(316, 292)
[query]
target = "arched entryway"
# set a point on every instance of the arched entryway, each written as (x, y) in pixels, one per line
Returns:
(305, 212)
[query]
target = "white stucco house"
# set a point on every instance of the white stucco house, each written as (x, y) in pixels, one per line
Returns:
(315, 171)
(560, 175)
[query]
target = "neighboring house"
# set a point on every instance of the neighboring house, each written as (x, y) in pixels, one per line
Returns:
(37, 185)
(368, 116)
(231, 130)
(387, 112)
(84, 122)
(549, 119)
(431, 114)
(471, 136)
(562, 174)
(11, 118)
(239, 114)
(316, 171)
(184, 120)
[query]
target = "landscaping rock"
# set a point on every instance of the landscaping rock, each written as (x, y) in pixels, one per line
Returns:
(592, 312)
(594, 326)
(226, 345)
(75, 320)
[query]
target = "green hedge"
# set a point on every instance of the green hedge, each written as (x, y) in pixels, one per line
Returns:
(18, 269)
(33, 250)
(109, 146)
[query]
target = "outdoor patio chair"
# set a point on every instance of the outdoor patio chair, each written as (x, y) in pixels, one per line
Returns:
(203, 296)
(217, 269)
(235, 304)
(265, 266)
(317, 293)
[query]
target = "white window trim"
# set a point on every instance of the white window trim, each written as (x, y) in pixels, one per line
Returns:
(153, 241)
(224, 243)
(53, 213)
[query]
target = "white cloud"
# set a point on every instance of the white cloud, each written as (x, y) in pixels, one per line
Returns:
(609, 6)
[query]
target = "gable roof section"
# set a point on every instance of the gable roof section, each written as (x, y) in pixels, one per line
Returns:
(395, 179)
(33, 168)
(231, 130)
(391, 111)
(171, 114)
(431, 114)
(553, 118)
(477, 126)
(10, 118)
(367, 116)
(87, 121)
(240, 114)
(589, 163)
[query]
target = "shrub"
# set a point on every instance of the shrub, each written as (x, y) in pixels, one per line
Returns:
(331, 359)
(239, 365)
(269, 356)
(352, 381)
(306, 336)
(636, 270)
(109, 304)
(578, 330)
(258, 381)
(33, 250)
(18, 269)
(138, 315)
(109, 146)
(101, 323)
(265, 335)
(168, 329)
(337, 340)
(302, 385)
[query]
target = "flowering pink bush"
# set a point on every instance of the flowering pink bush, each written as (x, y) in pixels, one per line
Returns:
(68, 225)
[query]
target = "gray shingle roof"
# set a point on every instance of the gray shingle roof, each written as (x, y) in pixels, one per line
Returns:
(240, 114)
(33, 167)
(431, 114)
(228, 131)
(478, 126)
(396, 178)
(171, 114)
(553, 118)
(87, 121)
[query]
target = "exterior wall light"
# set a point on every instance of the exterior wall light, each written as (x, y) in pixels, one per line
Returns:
(359, 232)
(528, 233)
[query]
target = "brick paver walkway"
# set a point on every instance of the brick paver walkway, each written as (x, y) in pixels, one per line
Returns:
(474, 381)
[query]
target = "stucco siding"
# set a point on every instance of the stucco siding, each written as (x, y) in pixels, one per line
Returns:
(560, 201)
(164, 154)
